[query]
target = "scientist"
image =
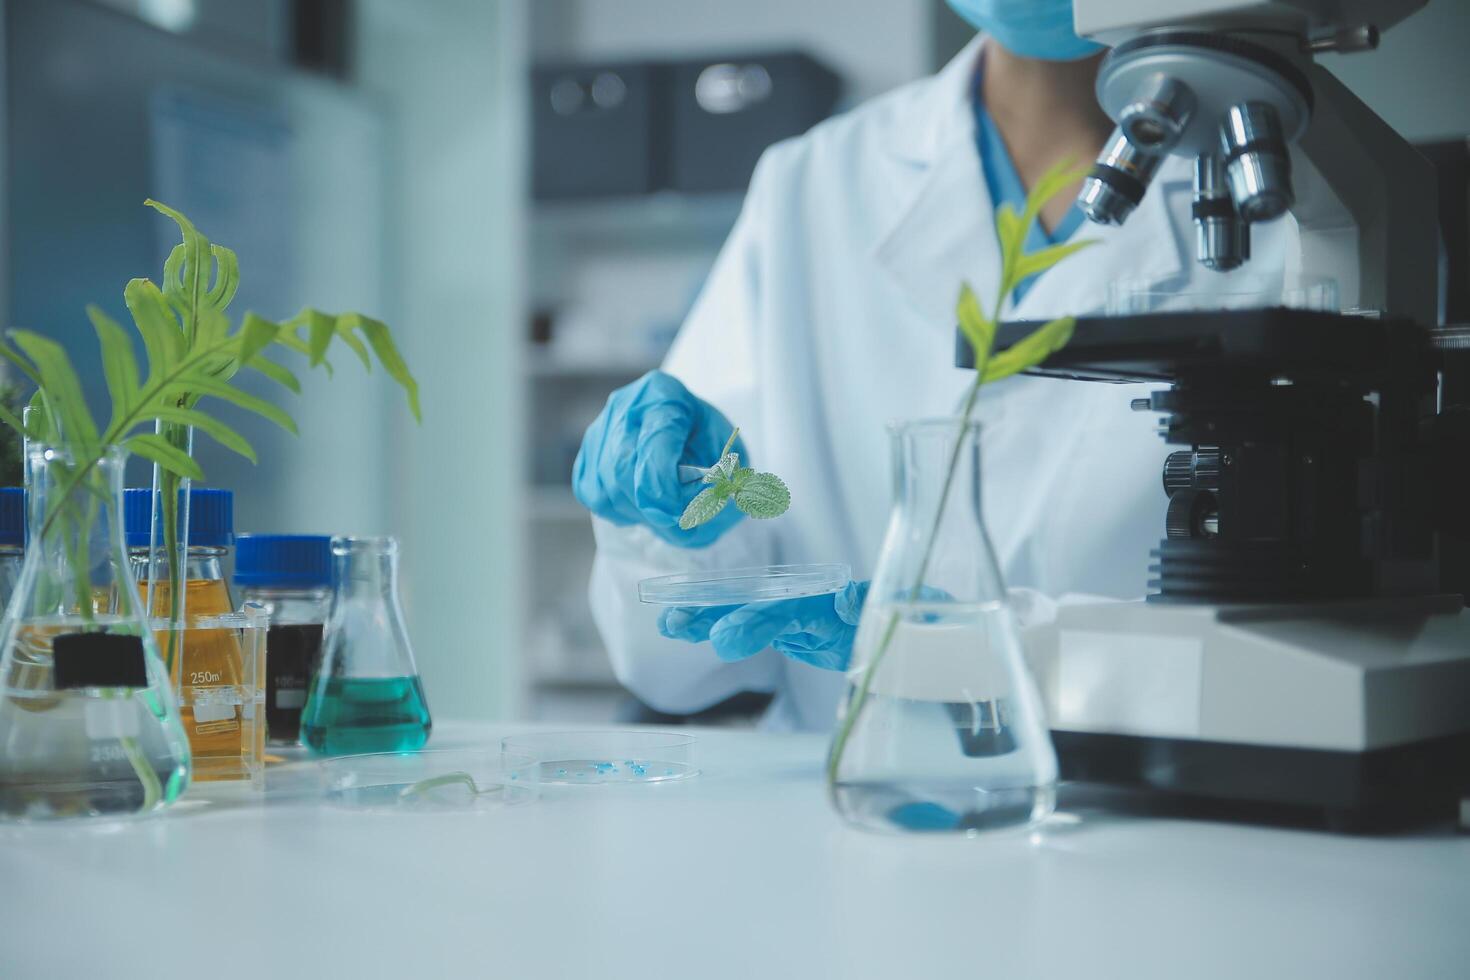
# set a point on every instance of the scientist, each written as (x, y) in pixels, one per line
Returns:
(830, 312)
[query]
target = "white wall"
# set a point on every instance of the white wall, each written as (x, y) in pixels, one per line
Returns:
(874, 44)
(451, 74)
(1419, 78)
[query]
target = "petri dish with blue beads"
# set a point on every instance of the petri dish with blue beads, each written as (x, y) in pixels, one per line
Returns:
(477, 779)
(592, 758)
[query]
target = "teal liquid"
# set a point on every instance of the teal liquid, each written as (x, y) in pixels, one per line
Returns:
(349, 715)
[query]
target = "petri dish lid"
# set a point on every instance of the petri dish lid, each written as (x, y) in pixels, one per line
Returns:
(737, 586)
(587, 758)
(432, 780)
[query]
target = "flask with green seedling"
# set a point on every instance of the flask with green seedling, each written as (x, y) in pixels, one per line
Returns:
(941, 729)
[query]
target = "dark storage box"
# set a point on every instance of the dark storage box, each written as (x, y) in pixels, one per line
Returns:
(598, 129)
(727, 110)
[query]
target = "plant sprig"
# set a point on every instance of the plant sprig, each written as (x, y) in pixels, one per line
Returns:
(191, 353)
(759, 495)
(1017, 265)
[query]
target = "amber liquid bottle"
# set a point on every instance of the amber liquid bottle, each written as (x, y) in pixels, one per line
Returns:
(217, 685)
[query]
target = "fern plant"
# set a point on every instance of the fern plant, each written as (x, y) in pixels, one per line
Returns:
(1017, 265)
(192, 353)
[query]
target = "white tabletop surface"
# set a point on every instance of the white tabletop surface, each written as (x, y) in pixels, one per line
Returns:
(742, 871)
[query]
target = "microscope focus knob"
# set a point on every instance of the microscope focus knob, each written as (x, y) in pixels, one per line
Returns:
(1192, 514)
(1192, 469)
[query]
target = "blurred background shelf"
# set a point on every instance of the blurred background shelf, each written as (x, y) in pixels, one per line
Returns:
(660, 219)
(555, 503)
(541, 364)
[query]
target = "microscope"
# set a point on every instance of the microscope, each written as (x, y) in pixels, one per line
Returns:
(1307, 645)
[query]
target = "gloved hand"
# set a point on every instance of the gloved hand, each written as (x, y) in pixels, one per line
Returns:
(816, 630)
(627, 470)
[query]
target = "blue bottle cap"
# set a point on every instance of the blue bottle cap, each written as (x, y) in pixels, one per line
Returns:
(12, 517)
(211, 517)
(288, 561)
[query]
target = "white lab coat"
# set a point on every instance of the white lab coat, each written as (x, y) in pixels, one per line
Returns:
(830, 312)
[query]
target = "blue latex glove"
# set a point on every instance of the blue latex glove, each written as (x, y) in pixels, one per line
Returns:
(816, 630)
(627, 470)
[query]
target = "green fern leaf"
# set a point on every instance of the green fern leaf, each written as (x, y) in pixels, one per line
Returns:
(280, 375)
(211, 426)
(119, 366)
(208, 387)
(156, 448)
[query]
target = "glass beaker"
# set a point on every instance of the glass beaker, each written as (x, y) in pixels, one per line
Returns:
(366, 696)
(88, 722)
(942, 729)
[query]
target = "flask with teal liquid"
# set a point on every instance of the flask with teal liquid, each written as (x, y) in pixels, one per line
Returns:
(366, 696)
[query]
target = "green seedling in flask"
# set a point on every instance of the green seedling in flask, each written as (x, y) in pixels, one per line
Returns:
(759, 495)
(979, 330)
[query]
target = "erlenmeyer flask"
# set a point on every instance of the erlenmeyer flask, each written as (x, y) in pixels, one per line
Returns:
(89, 725)
(366, 696)
(942, 729)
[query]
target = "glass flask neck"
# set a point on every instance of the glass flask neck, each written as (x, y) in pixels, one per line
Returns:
(365, 566)
(75, 555)
(936, 466)
(936, 544)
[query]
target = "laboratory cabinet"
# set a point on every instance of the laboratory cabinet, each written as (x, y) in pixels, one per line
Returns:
(613, 128)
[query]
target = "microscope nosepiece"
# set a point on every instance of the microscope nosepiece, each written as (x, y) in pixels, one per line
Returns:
(1257, 164)
(1117, 181)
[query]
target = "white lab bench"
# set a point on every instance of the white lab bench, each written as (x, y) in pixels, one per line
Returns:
(742, 871)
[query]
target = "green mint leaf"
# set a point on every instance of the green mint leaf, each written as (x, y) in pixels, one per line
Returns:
(727, 465)
(705, 505)
(763, 496)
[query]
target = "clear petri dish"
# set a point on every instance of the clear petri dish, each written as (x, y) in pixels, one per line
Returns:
(434, 780)
(737, 586)
(591, 758)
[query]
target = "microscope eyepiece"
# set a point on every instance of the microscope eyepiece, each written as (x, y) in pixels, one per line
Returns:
(1257, 164)
(1117, 181)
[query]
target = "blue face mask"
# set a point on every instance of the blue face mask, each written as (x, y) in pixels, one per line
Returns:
(1029, 28)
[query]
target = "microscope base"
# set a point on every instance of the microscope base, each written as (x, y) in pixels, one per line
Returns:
(1356, 713)
(1348, 792)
